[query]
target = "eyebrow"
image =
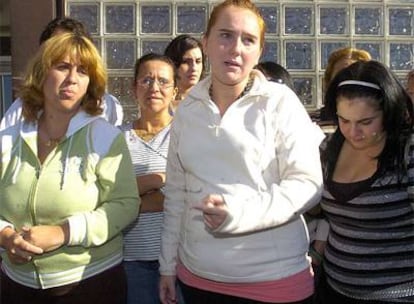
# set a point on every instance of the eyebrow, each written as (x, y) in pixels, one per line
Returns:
(360, 120)
(234, 31)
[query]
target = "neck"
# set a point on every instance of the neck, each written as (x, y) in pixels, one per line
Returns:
(224, 95)
(52, 128)
(370, 152)
(183, 92)
(55, 122)
(153, 121)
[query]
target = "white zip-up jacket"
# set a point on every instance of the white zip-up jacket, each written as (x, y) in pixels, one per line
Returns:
(262, 156)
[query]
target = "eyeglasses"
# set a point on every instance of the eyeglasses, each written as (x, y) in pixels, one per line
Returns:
(148, 82)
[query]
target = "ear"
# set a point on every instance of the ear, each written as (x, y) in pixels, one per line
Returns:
(204, 44)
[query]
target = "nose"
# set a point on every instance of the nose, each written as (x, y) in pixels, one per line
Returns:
(154, 85)
(236, 46)
(73, 74)
(354, 131)
(192, 64)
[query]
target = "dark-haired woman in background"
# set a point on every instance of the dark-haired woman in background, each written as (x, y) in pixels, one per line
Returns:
(187, 54)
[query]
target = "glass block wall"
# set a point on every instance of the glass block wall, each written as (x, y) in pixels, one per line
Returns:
(300, 35)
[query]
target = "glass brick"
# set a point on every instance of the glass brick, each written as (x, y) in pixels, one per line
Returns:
(303, 86)
(120, 19)
(374, 48)
(154, 46)
(333, 20)
(401, 56)
(298, 20)
(156, 19)
(191, 19)
(270, 51)
(368, 21)
(327, 48)
(97, 43)
(270, 15)
(299, 55)
(121, 88)
(120, 54)
(87, 14)
(401, 21)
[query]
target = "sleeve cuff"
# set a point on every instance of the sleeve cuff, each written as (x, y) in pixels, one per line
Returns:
(4, 224)
(77, 228)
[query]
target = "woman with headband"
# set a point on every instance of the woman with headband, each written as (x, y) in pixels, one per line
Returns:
(368, 174)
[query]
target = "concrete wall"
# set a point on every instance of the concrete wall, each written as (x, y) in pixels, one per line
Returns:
(27, 21)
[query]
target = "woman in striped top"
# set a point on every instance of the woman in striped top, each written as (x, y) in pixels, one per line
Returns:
(148, 139)
(368, 162)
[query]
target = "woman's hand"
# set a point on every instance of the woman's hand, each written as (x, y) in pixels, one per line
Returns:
(19, 250)
(48, 238)
(168, 293)
(214, 210)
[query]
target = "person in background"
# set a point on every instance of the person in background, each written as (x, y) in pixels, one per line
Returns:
(275, 72)
(410, 84)
(368, 194)
(317, 224)
(187, 54)
(148, 138)
(233, 230)
(67, 187)
(338, 60)
(112, 109)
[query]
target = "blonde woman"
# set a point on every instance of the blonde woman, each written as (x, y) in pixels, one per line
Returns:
(67, 188)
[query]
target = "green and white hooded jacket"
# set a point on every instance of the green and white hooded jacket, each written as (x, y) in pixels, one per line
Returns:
(86, 180)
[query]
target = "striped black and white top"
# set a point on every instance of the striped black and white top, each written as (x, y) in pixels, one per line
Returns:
(370, 249)
(143, 236)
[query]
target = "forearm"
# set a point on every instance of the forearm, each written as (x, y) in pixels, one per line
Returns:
(152, 202)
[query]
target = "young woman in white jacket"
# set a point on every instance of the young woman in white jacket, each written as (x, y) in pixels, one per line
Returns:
(243, 165)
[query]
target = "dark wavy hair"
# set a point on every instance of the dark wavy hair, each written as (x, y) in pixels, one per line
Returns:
(64, 24)
(179, 46)
(391, 99)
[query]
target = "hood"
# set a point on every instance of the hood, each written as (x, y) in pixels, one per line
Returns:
(27, 132)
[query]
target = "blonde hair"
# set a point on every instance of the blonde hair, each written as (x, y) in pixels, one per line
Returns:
(78, 48)
(343, 53)
(246, 4)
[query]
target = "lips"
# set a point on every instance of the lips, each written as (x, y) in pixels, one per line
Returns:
(67, 93)
(232, 64)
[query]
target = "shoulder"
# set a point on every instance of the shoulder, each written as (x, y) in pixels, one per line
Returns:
(102, 135)
(12, 114)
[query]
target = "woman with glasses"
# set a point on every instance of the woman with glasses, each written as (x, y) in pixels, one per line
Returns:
(148, 138)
